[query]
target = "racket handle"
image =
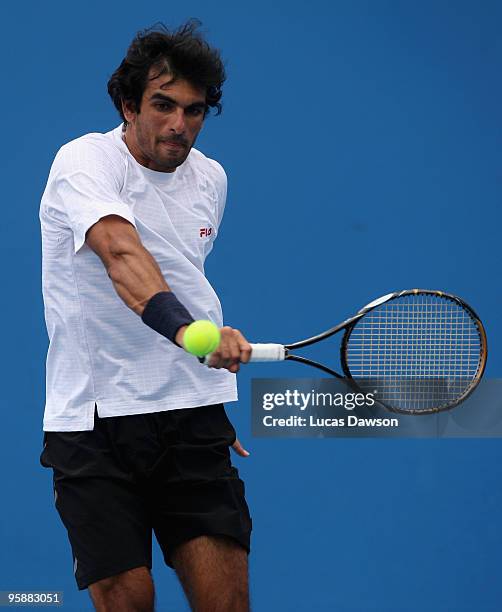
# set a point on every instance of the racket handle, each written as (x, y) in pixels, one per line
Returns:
(268, 352)
(262, 352)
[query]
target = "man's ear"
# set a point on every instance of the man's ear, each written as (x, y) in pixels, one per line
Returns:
(128, 108)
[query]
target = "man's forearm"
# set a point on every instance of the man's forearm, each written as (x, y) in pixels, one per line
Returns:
(136, 277)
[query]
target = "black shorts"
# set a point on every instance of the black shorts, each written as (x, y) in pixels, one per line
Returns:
(169, 472)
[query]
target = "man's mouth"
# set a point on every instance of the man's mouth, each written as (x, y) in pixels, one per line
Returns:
(174, 145)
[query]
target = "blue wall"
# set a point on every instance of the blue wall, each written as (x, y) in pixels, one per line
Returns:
(362, 141)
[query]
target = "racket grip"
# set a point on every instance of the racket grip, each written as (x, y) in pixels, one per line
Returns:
(268, 352)
(262, 352)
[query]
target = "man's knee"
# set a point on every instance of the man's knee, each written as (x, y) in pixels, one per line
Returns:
(131, 591)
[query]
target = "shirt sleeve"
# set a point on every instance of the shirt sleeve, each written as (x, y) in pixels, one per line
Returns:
(88, 177)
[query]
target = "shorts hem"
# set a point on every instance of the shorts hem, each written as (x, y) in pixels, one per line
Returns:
(84, 582)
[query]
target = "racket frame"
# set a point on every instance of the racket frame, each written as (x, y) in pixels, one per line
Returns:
(349, 324)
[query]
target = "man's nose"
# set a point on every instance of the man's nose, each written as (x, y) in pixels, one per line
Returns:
(178, 121)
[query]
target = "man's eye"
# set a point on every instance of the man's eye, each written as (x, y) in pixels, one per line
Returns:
(195, 112)
(164, 106)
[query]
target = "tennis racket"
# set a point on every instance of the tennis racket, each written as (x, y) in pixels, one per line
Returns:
(421, 351)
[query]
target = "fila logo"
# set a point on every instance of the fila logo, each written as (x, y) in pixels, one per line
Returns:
(205, 231)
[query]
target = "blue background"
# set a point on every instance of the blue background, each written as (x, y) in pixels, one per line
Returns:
(362, 141)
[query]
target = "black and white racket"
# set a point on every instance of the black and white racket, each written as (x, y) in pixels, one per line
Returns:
(422, 351)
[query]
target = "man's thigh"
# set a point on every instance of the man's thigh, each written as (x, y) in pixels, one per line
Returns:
(195, 490)
(213, 571)
(100, 505)
(107, 527)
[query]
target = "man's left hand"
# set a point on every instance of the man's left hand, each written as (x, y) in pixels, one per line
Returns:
(239, 449)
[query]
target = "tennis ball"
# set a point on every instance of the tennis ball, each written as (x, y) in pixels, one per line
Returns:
(201, 338)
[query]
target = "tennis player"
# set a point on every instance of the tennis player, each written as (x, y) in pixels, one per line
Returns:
(134, 427)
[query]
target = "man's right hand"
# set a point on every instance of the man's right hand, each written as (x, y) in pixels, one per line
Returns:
(233, 349)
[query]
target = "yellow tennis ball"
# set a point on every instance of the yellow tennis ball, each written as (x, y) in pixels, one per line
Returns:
(201, 338)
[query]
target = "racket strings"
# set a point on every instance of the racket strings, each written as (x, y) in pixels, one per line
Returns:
(421, 351)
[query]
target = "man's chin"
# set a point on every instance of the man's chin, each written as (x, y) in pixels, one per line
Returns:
(169, 164)
(172, 158)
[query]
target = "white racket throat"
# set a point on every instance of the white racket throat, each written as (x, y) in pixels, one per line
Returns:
(263, 352)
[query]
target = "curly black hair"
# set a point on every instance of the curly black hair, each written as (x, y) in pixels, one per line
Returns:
(183, 53)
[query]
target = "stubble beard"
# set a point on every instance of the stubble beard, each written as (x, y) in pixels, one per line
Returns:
(167, 162)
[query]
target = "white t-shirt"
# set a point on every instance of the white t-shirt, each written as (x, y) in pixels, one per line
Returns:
(100, 351)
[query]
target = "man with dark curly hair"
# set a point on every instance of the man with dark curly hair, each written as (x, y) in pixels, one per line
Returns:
(135, 429)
